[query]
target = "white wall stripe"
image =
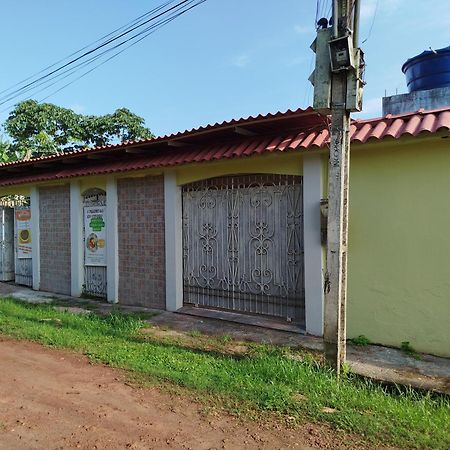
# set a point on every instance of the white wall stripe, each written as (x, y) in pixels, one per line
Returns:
(76, 239)
(173, 242)
(112, 242)
(312, 193)
(35, 248)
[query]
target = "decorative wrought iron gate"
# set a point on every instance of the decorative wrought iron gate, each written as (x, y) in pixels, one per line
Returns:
(94, 276)
(23, 265)
(243, 245)
(7, 265)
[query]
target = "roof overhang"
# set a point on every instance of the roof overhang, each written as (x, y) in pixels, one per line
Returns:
(292, 130)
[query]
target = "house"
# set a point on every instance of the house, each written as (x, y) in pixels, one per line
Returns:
(228, 217)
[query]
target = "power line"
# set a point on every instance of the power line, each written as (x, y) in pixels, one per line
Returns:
(64, 71)
(123, 27)
(121, 51)
(372, 24)
(70, 70)
(103, 44)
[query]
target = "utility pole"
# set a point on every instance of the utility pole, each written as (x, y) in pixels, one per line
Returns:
(338, 91)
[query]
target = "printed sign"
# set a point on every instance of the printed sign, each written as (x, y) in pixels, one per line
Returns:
(23, 221)
(95, 236)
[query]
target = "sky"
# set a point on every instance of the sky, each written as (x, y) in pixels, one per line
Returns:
(225, 59)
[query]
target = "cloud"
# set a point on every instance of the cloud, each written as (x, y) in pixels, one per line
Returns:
(385, 7)
(79, 109)
(371, 108)
(303, 29)
(241, 60)
(368, 9)
(296, 61)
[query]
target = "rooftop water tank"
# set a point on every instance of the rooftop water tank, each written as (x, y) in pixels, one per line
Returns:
(429, 70)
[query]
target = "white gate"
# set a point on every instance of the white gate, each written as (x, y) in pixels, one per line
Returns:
(23, 244)
(243, 245)
(94, 245)
(7, 244)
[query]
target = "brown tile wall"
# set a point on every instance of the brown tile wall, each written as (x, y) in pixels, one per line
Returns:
(141, 241)
(54, 224)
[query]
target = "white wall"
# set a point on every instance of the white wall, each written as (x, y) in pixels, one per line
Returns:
(112, 252)
(76, 239)
(173, 242)
(312, 193)
(35, 248)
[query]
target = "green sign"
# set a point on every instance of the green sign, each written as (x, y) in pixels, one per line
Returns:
(97, 223)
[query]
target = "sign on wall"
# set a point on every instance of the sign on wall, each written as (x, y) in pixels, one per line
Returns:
(24, 244)
(95, 235)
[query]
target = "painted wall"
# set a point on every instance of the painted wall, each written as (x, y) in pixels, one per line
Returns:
(289, 163)
(399, 254)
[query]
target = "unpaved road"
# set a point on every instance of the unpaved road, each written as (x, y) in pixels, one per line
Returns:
(51, 399)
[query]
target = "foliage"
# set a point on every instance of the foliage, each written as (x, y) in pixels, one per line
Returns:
(38, 129)
(7, 154)
(361, 340)
(273, 379)
(409, 350)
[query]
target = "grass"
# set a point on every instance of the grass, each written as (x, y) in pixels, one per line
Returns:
(195, 333)
(360, 340)
(270, 379)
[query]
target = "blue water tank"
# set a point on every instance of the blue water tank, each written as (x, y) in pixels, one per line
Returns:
(429, 70)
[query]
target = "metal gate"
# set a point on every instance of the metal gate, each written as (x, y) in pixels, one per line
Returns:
(243, 245)
(7, 244)
(94, 275)
(24, 262)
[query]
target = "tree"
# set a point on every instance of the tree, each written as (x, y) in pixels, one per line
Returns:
(7, 154)
(38, 129)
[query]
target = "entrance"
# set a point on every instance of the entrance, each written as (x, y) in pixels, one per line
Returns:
(6, 243)
(243, 245)
(24, 243)
(94, 242)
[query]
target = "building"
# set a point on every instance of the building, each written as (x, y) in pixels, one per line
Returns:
(228, 216)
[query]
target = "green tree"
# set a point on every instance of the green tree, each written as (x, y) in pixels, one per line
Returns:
(7, 154)
(38, 129)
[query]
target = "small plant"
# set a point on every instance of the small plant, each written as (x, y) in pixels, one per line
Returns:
(225, 339)
(361, 340)
(409, 350)
(346, 369)
(195, 333)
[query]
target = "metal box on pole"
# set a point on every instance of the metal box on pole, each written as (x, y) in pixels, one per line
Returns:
(321, 76)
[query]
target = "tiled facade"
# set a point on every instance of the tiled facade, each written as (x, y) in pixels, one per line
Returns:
(54, 224)
(141, 241)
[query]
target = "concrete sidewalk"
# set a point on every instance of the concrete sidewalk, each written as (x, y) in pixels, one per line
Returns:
(373, 361)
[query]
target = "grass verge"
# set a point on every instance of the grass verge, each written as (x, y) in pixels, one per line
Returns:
(270, 378)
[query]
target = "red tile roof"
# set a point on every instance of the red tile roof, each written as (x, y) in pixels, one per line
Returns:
(275, 132)
(308, 117)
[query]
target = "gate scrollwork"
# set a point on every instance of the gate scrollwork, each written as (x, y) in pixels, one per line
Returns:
(243, 244)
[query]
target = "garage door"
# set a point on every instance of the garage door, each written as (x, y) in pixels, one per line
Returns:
(243, 245)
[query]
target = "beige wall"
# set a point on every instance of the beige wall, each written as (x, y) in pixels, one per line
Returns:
(399, 244)
(288, 163)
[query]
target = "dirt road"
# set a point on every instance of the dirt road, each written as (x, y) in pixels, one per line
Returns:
(52, 399)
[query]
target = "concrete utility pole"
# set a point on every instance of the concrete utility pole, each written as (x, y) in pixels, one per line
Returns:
(339, 91)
